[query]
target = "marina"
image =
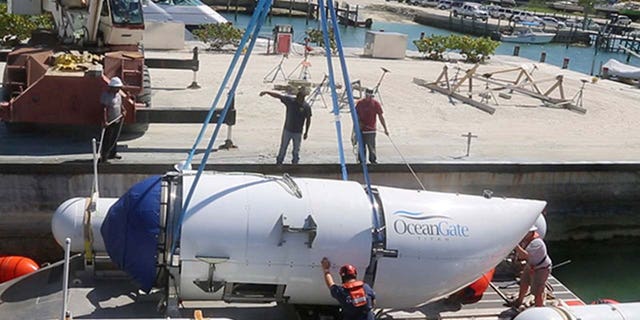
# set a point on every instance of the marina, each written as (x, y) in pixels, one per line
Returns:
(581, 58)
(575, 161)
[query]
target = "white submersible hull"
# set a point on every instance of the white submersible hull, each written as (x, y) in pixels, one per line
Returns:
(248, 237)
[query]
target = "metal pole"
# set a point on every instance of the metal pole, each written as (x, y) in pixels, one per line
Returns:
(245, 38)
(469, 136)
(259, 16)
(95, 166)
(332, 84)
(65, 279)
(354, 117)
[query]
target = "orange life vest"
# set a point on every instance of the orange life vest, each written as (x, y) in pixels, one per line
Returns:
(357, 293)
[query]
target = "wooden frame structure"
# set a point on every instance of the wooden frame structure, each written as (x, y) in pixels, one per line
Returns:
(524, 84)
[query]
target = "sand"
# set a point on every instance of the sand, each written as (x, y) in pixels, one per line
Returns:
(424, 126)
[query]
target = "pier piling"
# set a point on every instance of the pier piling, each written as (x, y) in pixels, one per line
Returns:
(543, 56)
(516, 51)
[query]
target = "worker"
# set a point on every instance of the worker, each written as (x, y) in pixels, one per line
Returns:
(114, 114)
(368, 109)
(536, 271)
(356, 298)
(298, 115)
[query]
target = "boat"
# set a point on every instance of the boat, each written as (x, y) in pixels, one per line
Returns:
(193, 13)
(528, 36)
(615, 68)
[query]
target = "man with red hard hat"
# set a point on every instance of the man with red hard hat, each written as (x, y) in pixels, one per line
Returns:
(356, 298)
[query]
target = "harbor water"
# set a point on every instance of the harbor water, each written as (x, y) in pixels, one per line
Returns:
(599, 269)
(582, 59)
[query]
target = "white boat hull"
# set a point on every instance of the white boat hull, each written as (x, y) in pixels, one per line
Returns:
(619, 311)
(529, 38)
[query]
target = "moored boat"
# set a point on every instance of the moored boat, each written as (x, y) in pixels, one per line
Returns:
(528, 36)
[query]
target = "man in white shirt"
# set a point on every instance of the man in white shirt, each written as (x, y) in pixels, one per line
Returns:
(114, 117)
(536, 271)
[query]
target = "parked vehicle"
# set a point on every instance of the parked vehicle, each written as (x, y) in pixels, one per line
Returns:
(579, 24)
(444, 4)
(504, 13)
(429, 3)
(471, 9)
(34, 92)
(520, 16)
(456, 5)
(492, 10)
(620, 20)
(552, 22)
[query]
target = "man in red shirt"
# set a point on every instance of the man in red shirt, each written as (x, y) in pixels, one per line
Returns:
(368, 109)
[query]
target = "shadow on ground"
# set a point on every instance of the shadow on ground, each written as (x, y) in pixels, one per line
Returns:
(31, 140)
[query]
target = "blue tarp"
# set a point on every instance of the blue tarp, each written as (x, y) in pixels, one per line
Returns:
(130, 231)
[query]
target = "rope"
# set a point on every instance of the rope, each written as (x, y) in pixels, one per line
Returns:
(406, 163)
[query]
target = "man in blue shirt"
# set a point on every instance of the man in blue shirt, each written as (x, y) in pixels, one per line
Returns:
(356, 298)
(298, 116)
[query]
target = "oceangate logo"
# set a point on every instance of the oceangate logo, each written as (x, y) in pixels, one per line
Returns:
(419, 224)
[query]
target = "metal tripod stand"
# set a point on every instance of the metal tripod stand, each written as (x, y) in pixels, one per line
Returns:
(317, 92)
(304, 64)
(274, 72)
(376, 89)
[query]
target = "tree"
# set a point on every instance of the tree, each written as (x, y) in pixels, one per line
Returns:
(15, 28)
(218, 35)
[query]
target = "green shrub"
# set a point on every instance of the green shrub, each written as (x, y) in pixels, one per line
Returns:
(486, 47)
(474, 49)
(432, 47)
(315, 36)
(15, 28)
(218, 35)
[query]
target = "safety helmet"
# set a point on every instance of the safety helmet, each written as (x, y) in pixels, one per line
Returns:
(348, 270)
(115, 82)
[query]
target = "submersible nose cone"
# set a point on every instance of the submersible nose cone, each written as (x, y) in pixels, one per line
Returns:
(67, 223)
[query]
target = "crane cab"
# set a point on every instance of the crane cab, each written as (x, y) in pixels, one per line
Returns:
(80, 22)
(121, 22)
